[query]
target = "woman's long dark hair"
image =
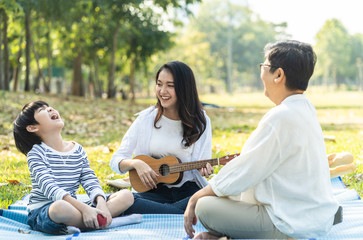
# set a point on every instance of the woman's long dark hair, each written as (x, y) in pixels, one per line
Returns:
(189, 107)
(25, 140)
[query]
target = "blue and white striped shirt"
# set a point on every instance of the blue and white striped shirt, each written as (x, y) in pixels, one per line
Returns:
(56, 174)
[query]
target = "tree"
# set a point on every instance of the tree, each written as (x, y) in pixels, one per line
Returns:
(1, 53)
(100, 33)
(77, 38)
(118, 12)
(136, 29)
(6, 69)
(9, 11)
(17, 66)
(144, 38)
(333, 50)
(191, 48)
(49, 13)
(236, 36)
(142, 34)
(356, 60)
(27, 9)
(89, 37)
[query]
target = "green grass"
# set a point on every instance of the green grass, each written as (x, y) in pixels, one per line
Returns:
(99, 125)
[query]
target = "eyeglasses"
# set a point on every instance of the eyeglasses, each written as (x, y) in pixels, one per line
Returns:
(267, 65)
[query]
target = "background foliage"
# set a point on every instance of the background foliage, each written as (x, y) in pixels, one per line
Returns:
(56, 50)
(102, 48)
(99, 125)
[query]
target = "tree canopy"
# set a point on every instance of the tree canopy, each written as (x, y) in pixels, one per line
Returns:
(99, 48)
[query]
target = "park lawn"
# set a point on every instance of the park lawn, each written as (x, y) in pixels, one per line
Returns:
(99, 125)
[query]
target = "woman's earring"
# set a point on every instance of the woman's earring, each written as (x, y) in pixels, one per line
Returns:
(275, 80)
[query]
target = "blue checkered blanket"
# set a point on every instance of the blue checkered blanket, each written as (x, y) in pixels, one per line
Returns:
(171, 226)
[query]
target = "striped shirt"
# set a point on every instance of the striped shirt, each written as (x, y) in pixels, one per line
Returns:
(56, 174)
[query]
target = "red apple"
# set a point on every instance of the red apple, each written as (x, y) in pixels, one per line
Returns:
(101, 220)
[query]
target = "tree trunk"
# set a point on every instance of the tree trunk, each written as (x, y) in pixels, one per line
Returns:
(334, 77)
(229, 52)
(36, 86)
(111, 76)
(91, 85)
(326, 75)
(77, 81)
(147, 84)
(49, 60)
(27, 48)
(1, 53)
(98, 84)
(132, 77)
(40, 73)
(258, 83)
(360, 74)
(17, 68)
(6, 52)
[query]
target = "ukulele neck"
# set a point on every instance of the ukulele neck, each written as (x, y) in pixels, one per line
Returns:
(181, 167)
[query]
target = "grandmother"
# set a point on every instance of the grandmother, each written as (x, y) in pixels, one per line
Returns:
(281, 178)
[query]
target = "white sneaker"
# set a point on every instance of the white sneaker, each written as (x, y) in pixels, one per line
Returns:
(72, 230)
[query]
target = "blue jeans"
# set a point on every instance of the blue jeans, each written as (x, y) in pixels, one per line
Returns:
(163, 200)
(39, 220)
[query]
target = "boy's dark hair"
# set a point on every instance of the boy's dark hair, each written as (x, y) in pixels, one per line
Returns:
(189, 106)
(25, 140)
(297, 59)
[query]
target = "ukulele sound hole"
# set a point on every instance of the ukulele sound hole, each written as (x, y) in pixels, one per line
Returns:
(164, 170)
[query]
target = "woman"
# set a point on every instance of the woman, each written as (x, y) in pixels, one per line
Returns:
(283, 164)
(176, 126)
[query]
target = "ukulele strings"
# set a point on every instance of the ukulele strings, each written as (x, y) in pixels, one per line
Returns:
(181, 167)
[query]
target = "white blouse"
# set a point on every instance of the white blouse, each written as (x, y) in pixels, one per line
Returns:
(137, 139)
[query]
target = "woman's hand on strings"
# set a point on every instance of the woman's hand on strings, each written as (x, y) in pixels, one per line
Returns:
(207, 170)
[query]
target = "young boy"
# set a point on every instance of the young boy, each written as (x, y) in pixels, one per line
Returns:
(57, 168)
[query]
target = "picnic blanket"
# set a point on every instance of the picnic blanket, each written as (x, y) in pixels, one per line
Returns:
(171, 226)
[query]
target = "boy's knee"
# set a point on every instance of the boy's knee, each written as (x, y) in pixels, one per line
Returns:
(58, 206)
(59, 209)
(126, 197)
(129, 197)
